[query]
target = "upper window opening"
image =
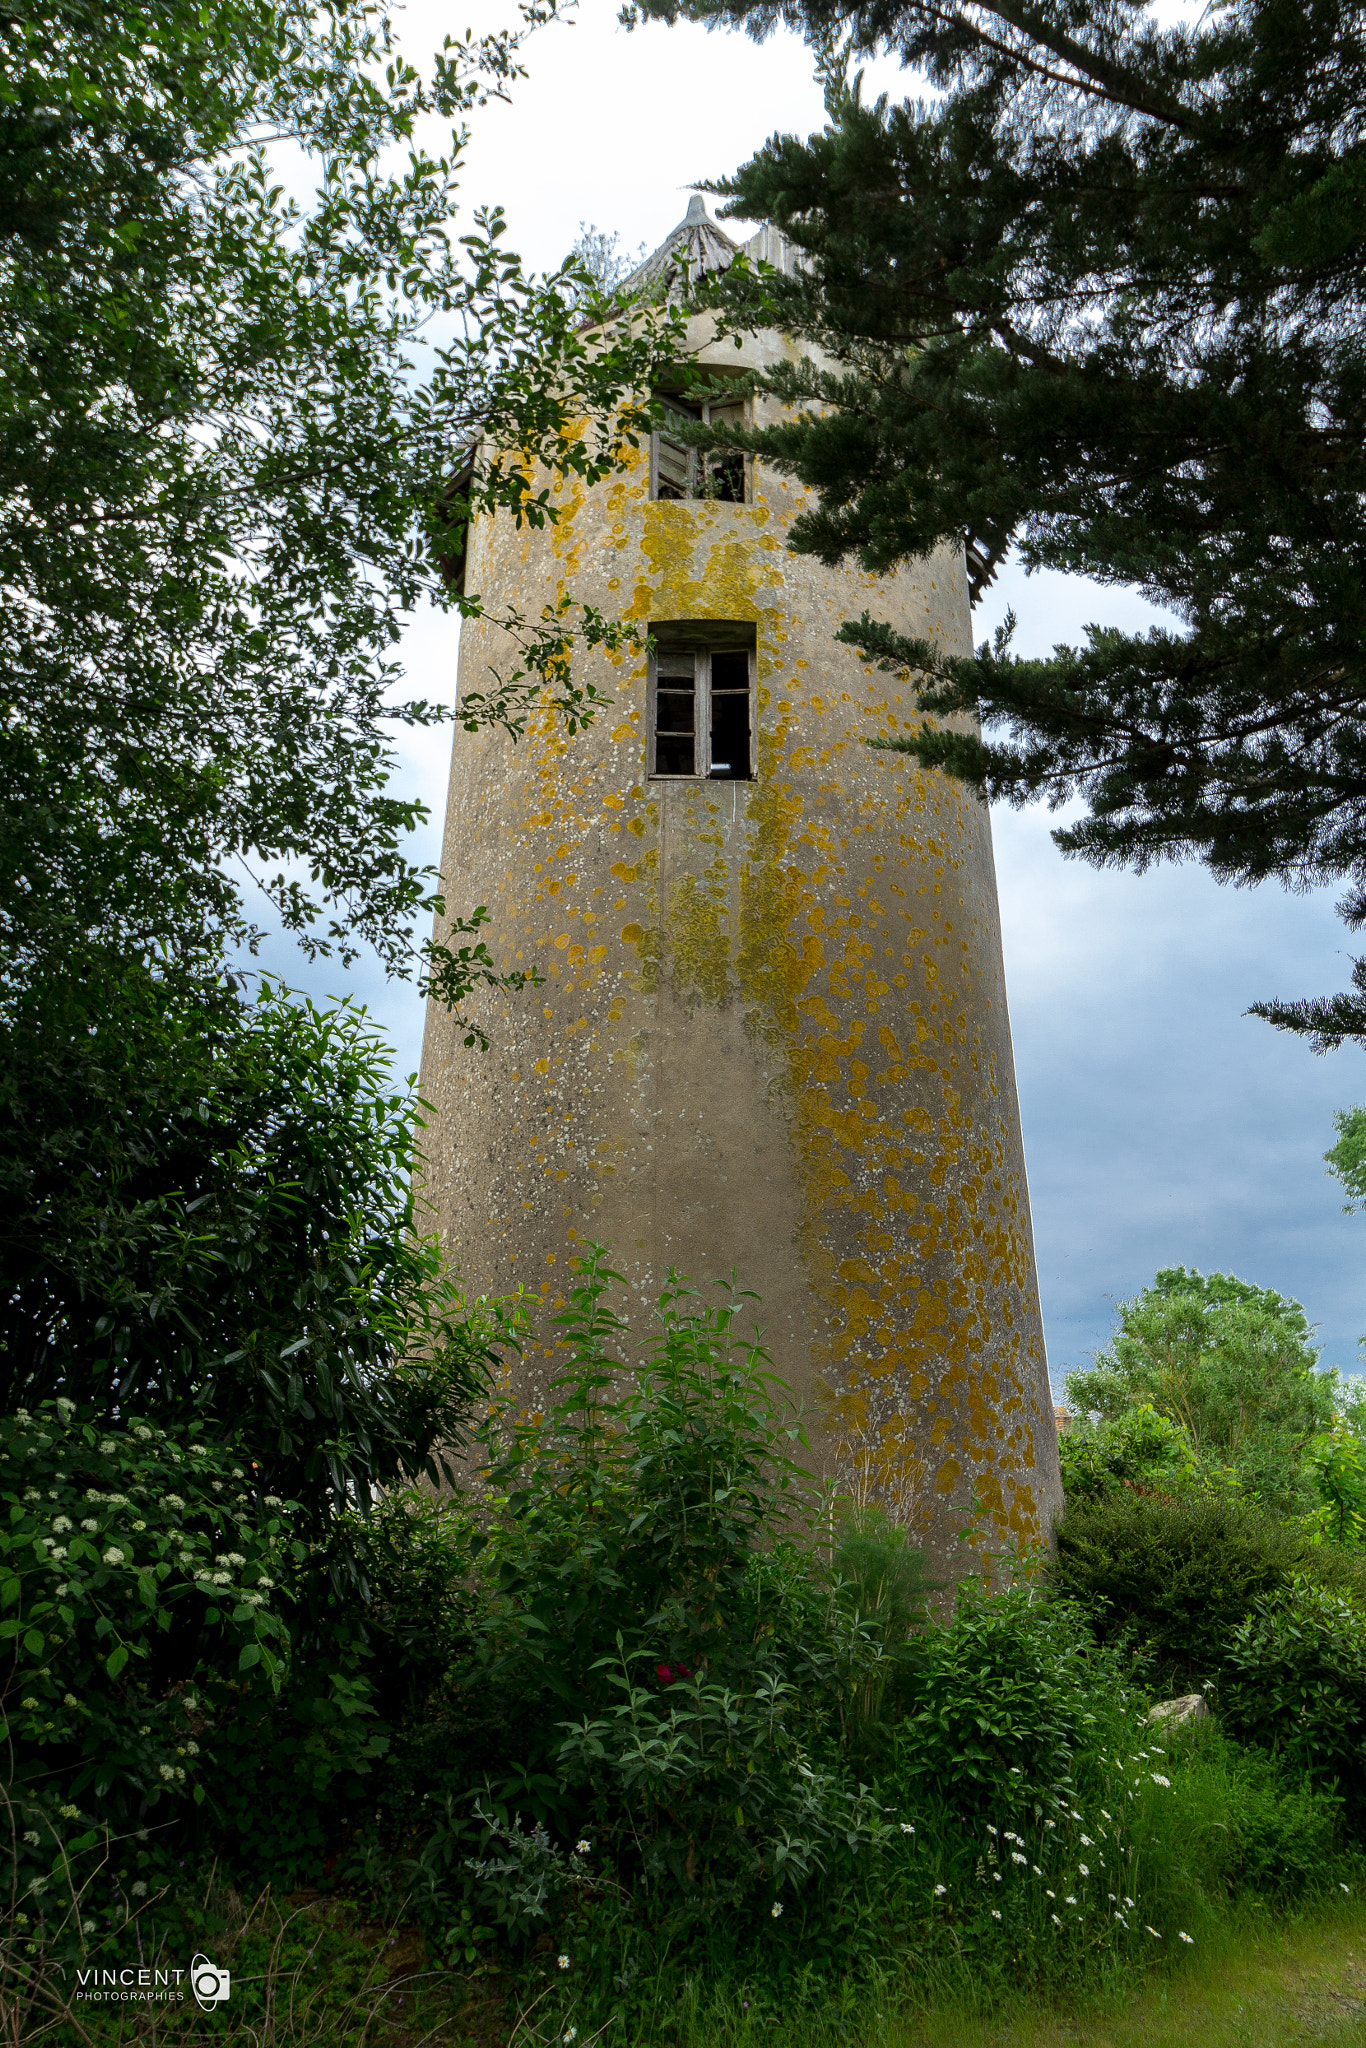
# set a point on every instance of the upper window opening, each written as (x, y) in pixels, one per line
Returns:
(683, 472)
(701, 692)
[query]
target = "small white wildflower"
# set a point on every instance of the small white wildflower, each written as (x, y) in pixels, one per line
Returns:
(32, 1493)
(994, 1914)
(1083, 1869)
(1181, 1935)
(1036, 1870)
(60, 1524)
(113, 1555)
(30, 1706)
(776, 1909)
(997, 1875)
(1103, 1814)
(108, 1447)
(90, 1527)
(140, 1888)
(990, 1829)
(940, 1890)
(33, 1838)
(1069, 1900)
(1158, 1778)
(142, 1433)
(1154, 1933)
(69, 1812)
(1009, 1837)
(564, 1962)
(273, 1500)
(138, 1528)
(570, 2034)
(1344, 1888)
(1056, 1918)
(1129, 1905)
(1050, 1823)
(171, 1500)
(1086, 1841)
(583, 1848)
(907, 1828)
(167, 1771)
(1121, 1919)
(1049, 1894)
(192, 1749)
(221, 1579)
(1016, 1857)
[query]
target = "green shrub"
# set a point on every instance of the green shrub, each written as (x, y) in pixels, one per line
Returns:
(652, 1607)
(1174, 1577)
(1295, 1681)
(998, 1703)
(1136, 1447)
(140, 1573)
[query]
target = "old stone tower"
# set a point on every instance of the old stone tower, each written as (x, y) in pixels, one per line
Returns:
(773, 1031)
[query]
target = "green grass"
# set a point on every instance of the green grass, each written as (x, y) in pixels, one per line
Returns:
(1265, 1984)
(311, 1973)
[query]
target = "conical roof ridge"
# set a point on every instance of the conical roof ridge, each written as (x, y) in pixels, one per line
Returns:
(697, 245)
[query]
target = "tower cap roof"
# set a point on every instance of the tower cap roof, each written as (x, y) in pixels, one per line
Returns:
(697, 245)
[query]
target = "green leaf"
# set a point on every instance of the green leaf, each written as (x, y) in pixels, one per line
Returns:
(116, 1660)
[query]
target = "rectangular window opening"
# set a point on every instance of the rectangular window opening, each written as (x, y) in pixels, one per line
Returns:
(701, 691)
(682, 472)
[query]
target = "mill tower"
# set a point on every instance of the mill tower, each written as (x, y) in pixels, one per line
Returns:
(773, 1030)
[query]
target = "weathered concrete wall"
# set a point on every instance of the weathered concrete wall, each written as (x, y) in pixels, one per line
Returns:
(773, 1033)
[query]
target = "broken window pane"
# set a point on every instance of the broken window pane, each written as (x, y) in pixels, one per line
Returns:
(729, 717)
(681, 471)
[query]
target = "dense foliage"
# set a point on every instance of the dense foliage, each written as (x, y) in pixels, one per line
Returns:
(244, 361)
(1097, 295)
(643, 1729)
(207, 1212)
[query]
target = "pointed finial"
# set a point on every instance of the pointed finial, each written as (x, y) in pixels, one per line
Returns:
(697, 210)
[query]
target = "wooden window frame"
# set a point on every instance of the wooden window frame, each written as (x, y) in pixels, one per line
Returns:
(701, 658)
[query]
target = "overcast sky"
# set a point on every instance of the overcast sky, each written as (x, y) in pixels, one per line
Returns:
(1161, 1124)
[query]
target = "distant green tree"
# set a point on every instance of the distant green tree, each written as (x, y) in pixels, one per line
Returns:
(1346, 1160)
(1235, 1365)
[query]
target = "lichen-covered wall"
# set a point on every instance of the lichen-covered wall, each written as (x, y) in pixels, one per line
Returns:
(773, 1031)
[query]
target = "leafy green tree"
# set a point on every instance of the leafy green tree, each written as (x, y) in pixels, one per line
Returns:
(206, 1213)
(1234, 1365)
(1098, 296)
(244, 360)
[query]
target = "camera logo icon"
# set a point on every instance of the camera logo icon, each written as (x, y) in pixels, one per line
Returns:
(209, 1984)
